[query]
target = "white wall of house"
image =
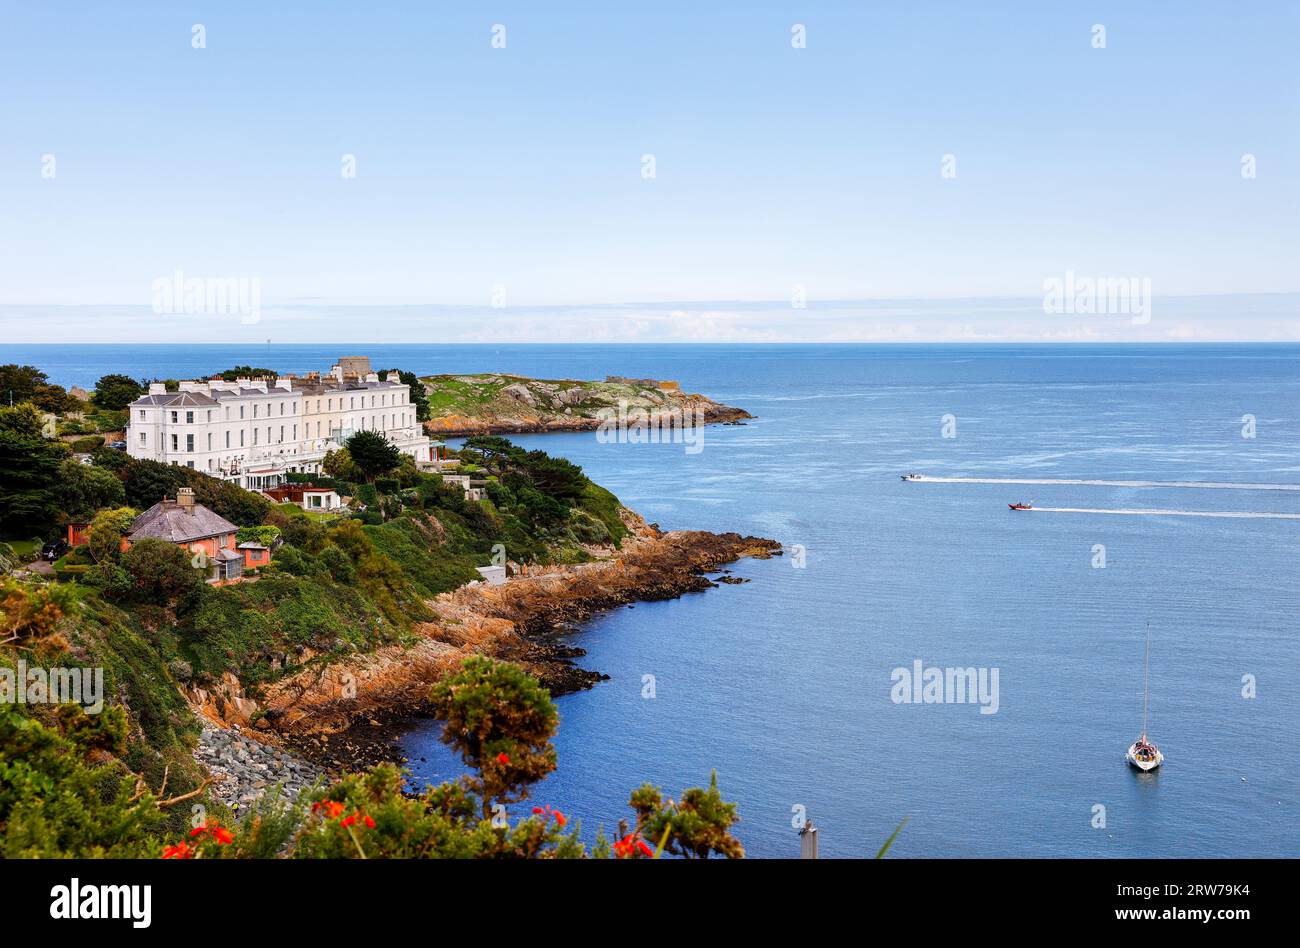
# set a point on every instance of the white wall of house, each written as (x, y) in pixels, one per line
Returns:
(256, 428)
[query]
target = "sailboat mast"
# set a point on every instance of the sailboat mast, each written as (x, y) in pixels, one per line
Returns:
(1146, 681)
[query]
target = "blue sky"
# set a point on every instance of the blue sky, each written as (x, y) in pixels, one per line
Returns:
(521, 168)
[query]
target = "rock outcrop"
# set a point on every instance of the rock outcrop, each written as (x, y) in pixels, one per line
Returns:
(319, 707)
(464, 405)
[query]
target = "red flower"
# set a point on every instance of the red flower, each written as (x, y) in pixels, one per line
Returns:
(630, 845)
(369, 822)
(560, 818)
(216, 831)
(179, 851)
(332, 808)
(348, 820)
(503, 758)
(538, 810)
(627, 847)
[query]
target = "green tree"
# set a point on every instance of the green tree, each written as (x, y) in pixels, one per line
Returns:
(19, 383)
(493, 452)
(29, 470)
(148, 482)
(163, 572)
(26, 383)
(372, 453)
(368, 816)
(241, 507)
(114, 392)
(558, 477)
(247, 372)
(64, 793)
(697, 826)
(339, 464)
(501, 721)
(106, 532)
(419, 397)
(83, 489)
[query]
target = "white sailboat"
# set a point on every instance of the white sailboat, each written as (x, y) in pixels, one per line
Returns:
(1143, 754)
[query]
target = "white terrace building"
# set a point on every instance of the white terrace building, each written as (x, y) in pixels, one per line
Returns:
(254, 431)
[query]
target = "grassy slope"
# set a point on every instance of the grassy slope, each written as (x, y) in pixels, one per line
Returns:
(479, 396)
(335, 587)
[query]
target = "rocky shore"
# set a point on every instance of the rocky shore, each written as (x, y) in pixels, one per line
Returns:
(245, 768)
(348, 714)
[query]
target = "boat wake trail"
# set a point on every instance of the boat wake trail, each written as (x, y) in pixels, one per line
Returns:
(1209, 485)
(1238, 514)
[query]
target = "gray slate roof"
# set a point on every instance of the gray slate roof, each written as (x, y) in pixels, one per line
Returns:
(175, 399)
(169, 522)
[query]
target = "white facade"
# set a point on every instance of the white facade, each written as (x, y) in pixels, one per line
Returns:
(320, 498)
(254, 431)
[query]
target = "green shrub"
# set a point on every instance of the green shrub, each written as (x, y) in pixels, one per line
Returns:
(54, 804)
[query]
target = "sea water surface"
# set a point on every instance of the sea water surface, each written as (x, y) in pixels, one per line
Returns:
(782, 685)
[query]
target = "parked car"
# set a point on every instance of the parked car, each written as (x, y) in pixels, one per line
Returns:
(117, 445)
(54, 549)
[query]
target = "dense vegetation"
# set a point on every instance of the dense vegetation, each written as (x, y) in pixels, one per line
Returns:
(65, 790)
(108, 784)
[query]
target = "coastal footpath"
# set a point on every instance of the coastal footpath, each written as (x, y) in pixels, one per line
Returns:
(467, 405)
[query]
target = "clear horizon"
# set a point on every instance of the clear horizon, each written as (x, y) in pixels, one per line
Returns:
(1223, 318)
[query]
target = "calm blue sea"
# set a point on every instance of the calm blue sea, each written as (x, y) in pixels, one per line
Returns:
(782, 685)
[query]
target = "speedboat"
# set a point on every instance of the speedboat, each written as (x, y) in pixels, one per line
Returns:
(1021, 506)
(910, 477)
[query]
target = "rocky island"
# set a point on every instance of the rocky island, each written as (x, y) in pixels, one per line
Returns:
(463, 405)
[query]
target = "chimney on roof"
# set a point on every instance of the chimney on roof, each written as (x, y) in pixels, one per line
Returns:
(157, 388)
(284, 382)
(185, 499)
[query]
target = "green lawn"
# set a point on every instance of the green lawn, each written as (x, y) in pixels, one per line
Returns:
(294, 510)
(26, 547)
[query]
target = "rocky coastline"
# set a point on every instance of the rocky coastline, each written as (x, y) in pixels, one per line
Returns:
(468, 405)
(462, 426)
(348, 714)
(244, 769)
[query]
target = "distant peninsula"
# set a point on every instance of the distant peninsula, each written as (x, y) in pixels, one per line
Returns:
(496, 403)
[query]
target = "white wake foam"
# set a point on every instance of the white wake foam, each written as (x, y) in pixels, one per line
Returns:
(1211, 485)
(1239, 514)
